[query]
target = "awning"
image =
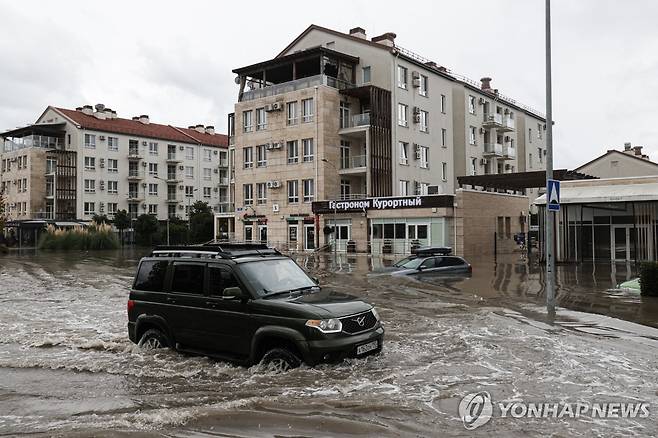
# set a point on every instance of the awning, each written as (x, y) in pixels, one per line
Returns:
(578, 193)
(519, 180)
(47, 129)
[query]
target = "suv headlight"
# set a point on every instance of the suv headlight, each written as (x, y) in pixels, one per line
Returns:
(332, 325)
(374, 312)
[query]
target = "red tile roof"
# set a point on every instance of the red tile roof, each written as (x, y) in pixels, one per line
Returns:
(150, 130)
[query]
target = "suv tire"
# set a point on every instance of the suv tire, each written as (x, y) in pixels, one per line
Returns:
(153, 339)
(279, 360)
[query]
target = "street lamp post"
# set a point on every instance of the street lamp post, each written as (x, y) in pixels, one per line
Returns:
(550, 215)
(189, 221)
(324, 160)
(162, 179)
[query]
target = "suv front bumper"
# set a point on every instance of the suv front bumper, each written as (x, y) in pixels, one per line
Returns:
(337, 348)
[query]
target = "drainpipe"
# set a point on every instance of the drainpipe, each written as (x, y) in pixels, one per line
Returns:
(394, 124)
(316, 184)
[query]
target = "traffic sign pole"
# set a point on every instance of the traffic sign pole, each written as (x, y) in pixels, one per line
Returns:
(550, 215)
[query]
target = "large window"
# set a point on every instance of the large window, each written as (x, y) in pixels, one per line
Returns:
(404, 187)
(189, 152)
(424, 121)
(366, 74)
(402, 77)
(261, 156)
(220, 279)
(189, 172)
(112, 187)
(309, 190)
(472, 134)
(261, 188)
(113, 144)
(90, 163)
(292, 148)
(402, 114)
(90, 186)
(404, 152)
(150, 276)
(248, 190)
(422, 90)
(207, 173)
(293, 191)
(307, 145)
(153, 148)
(424, 157)
(261, 119)
(248, 157)
(90, 141)
(90, 208)
(307, 110)
(247, 121)
(188, 279)
(153, 169)
(291, 113)
(471, 104)
(444, 171)
(153, 189)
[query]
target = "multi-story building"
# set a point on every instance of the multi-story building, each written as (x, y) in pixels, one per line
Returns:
(72, 164)
(339, 116)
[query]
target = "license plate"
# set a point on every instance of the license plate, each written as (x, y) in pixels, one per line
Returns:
(362, 349)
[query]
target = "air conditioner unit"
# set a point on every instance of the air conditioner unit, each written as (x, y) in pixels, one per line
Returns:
(181, 206)
(482, 101)
(214, 152)
(416, 110)
(102, 207)
(275, 145)
(144, 143)
(273, 184)
(415, 82)
(507, 138)
(216, 189)
(433, 190)
(102, 184)
(415, 75)
(143, 206)
(181, 167)
(277, 106)
(275, 208)
(101, 138)
(101, 163)
(416, 118)
(216, 170)
(144, 185)
(508, 166)
(482, 130)
(144, 164)
(181, 148)
(181, 187)
(484, 162)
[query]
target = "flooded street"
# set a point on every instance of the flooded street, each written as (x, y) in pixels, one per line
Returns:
(67, 367)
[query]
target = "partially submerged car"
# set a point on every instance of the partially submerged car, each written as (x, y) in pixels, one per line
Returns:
(431, 260)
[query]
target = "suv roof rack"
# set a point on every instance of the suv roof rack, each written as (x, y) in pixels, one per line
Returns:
(432, 250)
(215, 250)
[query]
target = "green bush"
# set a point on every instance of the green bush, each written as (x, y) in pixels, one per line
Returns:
(649, 279)
(95, 236)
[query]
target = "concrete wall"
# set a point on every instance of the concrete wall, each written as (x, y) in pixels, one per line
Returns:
(477, 217)
(619, 165)
(30, 200)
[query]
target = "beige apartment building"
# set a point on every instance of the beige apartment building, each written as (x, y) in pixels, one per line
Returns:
(339, 116)
(620, 164)
(74, 163)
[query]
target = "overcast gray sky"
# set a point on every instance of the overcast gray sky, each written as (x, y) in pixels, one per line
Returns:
(173, 59)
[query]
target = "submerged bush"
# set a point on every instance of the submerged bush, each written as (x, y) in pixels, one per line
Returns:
(95, 236)
(649, 279)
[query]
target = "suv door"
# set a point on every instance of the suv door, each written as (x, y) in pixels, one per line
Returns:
(451, 264)
(186, 303)
(230, 326)
(428, 266)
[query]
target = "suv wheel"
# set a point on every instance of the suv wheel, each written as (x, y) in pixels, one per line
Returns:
(153, 339)
(279, 360)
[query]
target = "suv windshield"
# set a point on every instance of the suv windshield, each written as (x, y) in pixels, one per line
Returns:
(277, 275)
(410, 262)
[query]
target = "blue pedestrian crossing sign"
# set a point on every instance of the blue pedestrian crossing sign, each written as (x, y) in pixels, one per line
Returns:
(553, 195)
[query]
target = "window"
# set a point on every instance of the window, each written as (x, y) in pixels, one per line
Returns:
(538, 130)
(424, 156)
(189, 152)
(188, 279)
(345, 189)
(309, 190)
(423, 188)
(344, 115)
(151, 276)
(153, 169)
(90, 163)
(292, 151)
(112, 207)
(474, 164)
(112, 165)
(291, 113)
(90, 186)
(189, 191)
(261, 156)
(404, 152)
(153, 209)
(307, 146)
(207, 173)
(529, 135)
(248, 157)
(220, 279)
(402, 77)
(444, 171)
(366, 74)
(472, 135)
(113, 144)
(422, 90)
(530, 161)
(444, 135)
(261, 189)
(293, 191)
(443, 103)
(261, 119)
(207, 155)
(248, 191)
(90, 208)
(424, 121)
(404, 187)
(247, 121)
(153, 189)
(471, 104)
(153, 148)
(540, 155)
(112, 187)
(90, 141)
(189, 172)
(402, 115)
(307, 110)
(206, 192)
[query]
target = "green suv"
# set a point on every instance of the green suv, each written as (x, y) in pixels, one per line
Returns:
(245, 303)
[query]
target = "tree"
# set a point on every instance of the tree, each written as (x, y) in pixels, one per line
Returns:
(177, 231)
(121, 221)
(100, 219)
(3, 221)
(146, 226)
(201, 222)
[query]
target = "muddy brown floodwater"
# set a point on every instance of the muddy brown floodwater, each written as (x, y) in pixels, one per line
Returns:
(68, 369)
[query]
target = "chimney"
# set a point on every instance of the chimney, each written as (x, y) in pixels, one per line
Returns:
(79, 108)
(136, 118)
(387, 39)
(637, 150)
(210, 130)
(358, 32)
(431, 64)
(199, 128)
(144, 118)
(109, 114)
(191, 127)
(486, 84)
(627, 146)
(100, 115)
(87, 109)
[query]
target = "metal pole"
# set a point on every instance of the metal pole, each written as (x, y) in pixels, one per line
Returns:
(550, 216)
(168, 230)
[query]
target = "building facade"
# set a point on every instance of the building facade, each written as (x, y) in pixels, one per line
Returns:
(620, 164)
(73, 164)
(338, 116)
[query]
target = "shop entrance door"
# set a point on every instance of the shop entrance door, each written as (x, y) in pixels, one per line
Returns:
(309, 237)
(622, 242)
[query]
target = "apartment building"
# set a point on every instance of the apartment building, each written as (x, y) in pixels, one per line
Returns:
(340, 116)
(74, 163)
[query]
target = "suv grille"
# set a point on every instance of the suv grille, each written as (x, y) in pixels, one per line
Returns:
(359, 322)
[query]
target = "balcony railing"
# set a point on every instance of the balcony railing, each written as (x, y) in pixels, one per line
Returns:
(135, 174)
(509, 123)
(225, 207)
(493, 119)
(33, 141)
(355, 121)
(509, 152)
(298, 84)
(134, 154)
(223, 180)
(171, 156)
(352, 196)
(493, 149)
(223, 163)
(353, 162)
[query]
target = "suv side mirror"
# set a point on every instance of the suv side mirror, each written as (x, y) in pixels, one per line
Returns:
(316, 280)
(232, 292)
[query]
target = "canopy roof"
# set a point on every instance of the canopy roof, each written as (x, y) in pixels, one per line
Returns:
(607, 191)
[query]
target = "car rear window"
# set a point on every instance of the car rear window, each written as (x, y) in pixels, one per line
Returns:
(188, 279)
(151, 276)
(451, 261)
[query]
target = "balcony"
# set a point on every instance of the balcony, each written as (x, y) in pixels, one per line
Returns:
(223, 180)
(493, 150)
(173, 179)
(508, 124)
(509, 153)
(492, 120)
(171, 158)
(223, 163)
(133, 154)
(33, 141)
(352, 196)
(357, 123)
(352, 165)
(135, 197)
(173, 199)
(298, 84)
(135, 175)
(225, 207)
